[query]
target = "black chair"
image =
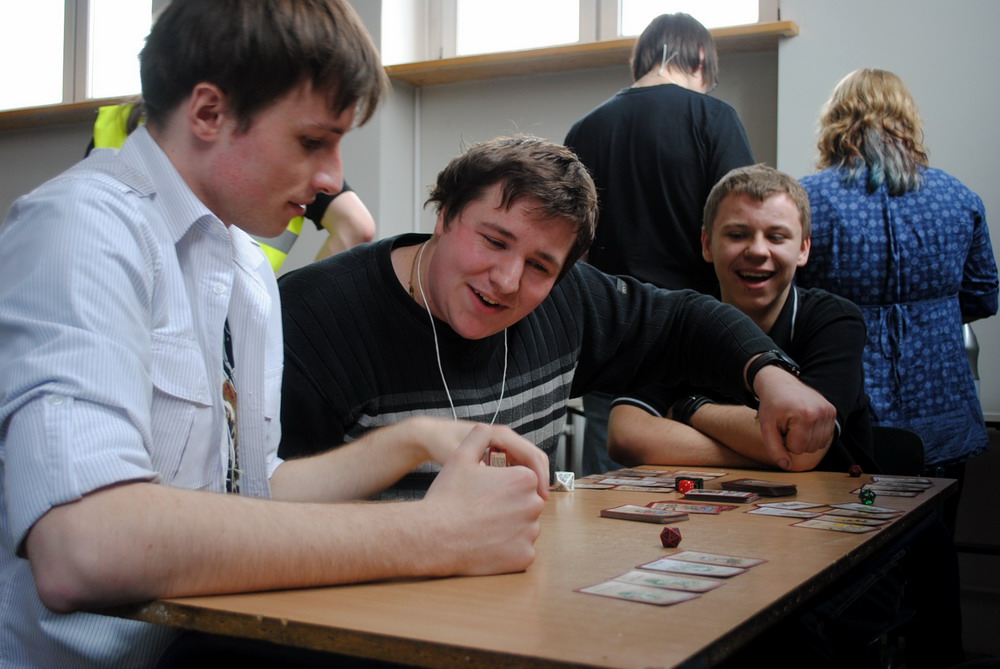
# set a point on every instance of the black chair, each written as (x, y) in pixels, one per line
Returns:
(898, 451)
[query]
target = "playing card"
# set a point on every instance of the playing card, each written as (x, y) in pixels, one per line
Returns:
(787, 513)
(706, 495)
(653, 580)
(854, 520)
(638, 593)
(691, 507)
(865, 508)
(792, 504)
(717, 558)
(692, 568)
(836, 527)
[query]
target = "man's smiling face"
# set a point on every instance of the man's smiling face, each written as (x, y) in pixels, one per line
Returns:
(756, 248)
(490, 267)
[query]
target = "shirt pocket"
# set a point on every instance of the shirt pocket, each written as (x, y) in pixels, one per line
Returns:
(186, 447)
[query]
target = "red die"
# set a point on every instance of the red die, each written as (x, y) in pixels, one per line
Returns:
(670, 537)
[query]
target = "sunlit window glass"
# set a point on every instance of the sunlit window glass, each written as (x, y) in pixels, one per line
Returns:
(31, 50)
(118, 29)
(636, 14)
(488, 27)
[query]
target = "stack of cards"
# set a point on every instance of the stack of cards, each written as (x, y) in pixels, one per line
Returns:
(766, 488)
(643, 514)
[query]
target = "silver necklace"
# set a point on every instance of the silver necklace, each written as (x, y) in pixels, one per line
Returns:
(437, 348)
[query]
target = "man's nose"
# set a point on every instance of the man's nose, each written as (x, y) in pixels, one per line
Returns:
(329, 176)
(506, 275)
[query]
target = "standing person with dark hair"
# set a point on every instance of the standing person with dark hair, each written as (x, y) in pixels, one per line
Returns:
(910, 246)
(655, 150)
(141, 360)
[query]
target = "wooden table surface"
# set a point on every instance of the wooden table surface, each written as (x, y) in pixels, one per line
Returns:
(536, 619)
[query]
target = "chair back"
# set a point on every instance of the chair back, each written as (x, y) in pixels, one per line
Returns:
(898, 451)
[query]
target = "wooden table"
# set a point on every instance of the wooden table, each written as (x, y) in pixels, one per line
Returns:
(535, 619)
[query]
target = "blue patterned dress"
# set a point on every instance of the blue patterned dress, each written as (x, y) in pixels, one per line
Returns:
(917, 265)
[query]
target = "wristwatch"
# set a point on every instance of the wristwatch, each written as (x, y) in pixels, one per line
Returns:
(773, 357)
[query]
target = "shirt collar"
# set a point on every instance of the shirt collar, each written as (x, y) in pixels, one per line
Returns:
(180, 206)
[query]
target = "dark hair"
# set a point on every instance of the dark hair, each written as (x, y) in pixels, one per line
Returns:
(684, 38)
(872, 121)
(527, 167)
(758, 182)
(256, 51)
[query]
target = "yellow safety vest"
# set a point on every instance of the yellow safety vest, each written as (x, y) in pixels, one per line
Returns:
(110, 131)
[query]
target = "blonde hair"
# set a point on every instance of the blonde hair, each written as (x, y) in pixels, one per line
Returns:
(872, 121)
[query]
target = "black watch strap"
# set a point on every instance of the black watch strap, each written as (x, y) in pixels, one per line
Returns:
(774, 357)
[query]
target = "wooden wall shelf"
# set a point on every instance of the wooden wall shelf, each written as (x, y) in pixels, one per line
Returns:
(737, 39)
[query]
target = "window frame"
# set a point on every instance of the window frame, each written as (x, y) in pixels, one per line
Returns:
(599, 22)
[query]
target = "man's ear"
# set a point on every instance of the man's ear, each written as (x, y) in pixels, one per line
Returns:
(207, 111)
(706, 246)
(804, 252)
(439, 225)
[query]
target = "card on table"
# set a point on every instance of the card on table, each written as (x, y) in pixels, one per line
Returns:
(865, 508)
(855, 520)
(886, 492)
(793, 504)
(592, 486)
(637, 488)
(836, 527)
(851, 513)
(706, 495)
(926, 483)
(785, 513)
(691, 568)
(699, 475)
(717, 558)
(669, 581)
(643, 514)
(691, 507)
(638, 593)
(624, 480)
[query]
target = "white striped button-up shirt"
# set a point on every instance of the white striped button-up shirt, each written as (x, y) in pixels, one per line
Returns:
(115, 283)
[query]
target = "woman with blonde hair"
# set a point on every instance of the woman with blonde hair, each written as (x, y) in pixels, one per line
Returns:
(909, 245)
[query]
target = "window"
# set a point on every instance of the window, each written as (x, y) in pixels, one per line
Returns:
(415, 30)
(71, 50)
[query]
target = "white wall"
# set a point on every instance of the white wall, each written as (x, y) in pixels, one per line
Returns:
(947, 53)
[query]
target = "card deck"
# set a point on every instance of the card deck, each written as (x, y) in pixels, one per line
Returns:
(638, 593)
(643, 514)
(761, 487)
